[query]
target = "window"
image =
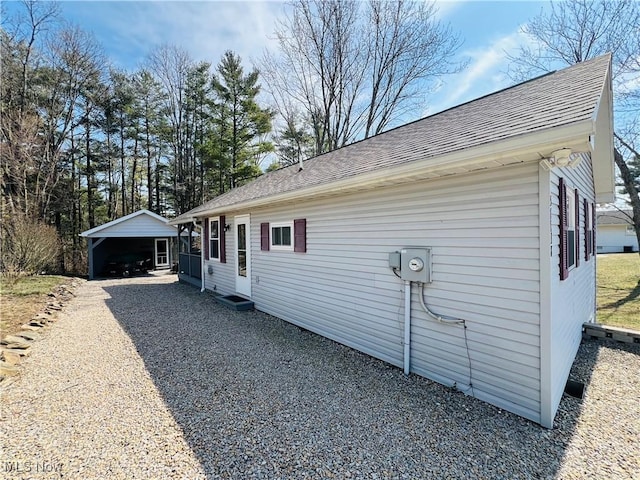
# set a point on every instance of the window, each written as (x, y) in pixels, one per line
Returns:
(631, 230)
(571, 230)
(214, 238)
(569, 223)
(290, 236)
(281, 236)
(588, 230)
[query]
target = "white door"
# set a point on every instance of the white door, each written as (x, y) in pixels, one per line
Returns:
(162, 252)
(243, 255)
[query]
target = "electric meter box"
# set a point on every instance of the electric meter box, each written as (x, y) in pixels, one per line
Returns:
(415, 264)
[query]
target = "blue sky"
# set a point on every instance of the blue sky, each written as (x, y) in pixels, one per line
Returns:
(128, 31)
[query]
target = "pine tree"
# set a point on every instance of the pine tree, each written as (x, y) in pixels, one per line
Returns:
(237, 143)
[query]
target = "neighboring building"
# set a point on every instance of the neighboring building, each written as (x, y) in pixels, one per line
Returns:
(140, 235)
(616, 232)
(498, 197)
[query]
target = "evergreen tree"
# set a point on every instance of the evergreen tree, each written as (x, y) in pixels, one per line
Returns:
(237, 144)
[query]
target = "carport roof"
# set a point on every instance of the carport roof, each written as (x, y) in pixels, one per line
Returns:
(142, 223)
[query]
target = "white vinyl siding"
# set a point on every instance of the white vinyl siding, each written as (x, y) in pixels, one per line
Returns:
(139, 226)
(483, 231)
(222, 278)
(613, 238)
(573, 299)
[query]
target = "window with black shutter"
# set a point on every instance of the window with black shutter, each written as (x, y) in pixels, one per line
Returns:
(563, 224)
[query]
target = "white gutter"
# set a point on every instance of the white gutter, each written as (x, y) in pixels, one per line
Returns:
(535, 145)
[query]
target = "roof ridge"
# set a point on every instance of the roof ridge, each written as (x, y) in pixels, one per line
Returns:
(454, 107)
(538, 106)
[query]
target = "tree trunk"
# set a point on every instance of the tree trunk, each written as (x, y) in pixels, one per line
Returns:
(149, 170)
(90, 210)
(629, 184)
(122, 169)
(75, 220)
(133, 174)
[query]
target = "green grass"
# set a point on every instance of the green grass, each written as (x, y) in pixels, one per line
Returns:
(22, 298)
(619, 290)
(34, 285)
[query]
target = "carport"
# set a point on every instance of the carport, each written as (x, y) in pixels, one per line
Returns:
(142, 234)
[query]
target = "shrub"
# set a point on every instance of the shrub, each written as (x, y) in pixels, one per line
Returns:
(29, 246)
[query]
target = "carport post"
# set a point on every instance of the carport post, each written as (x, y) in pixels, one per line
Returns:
(90, 260)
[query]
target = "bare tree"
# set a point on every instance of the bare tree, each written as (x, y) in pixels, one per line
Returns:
(575, 31)
(355, 68)
(38, 16)
(171, 66)
(73, 69)
(19, 122)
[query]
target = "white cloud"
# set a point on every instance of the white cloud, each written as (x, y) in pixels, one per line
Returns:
(483, 75)
(446, 8)
(206, 29)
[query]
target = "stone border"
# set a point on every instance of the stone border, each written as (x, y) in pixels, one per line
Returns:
(599, 331)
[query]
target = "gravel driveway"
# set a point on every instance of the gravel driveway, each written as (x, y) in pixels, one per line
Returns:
(147, 378)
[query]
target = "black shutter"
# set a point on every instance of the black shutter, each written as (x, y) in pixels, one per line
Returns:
(205, 233)
(300, 235)
(222, 239)
(562, 207)
(587, 235)
(264, 236)
(577, 226)
(593, 229)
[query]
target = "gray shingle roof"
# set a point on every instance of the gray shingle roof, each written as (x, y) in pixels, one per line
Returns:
(614, 217)
(555, 99)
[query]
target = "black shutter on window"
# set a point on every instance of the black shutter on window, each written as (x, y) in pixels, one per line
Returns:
(205, 232)
(264, 236)
(587, 235)
(300, 235)
(576, 227)
(593, 229)
(222, 239)
(562, 207)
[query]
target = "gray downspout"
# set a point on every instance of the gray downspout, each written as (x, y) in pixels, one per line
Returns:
(407, 327)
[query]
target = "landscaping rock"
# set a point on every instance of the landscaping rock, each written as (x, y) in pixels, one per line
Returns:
(28, 335)
(14, 339)
(8, 370)
(23, 352)
(15, 345)
(32, 326)
(11, 358)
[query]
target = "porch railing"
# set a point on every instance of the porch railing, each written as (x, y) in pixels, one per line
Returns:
(189, 264)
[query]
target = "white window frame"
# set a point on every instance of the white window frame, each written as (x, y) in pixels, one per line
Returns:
(272, 236)
(588, 220)
(630, 231)
(211, 238)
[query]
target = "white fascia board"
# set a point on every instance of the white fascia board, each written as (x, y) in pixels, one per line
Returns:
(602, 145)
(536, 145)
(186, 217)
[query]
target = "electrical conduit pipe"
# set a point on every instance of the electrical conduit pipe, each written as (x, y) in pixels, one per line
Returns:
(407, 326)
